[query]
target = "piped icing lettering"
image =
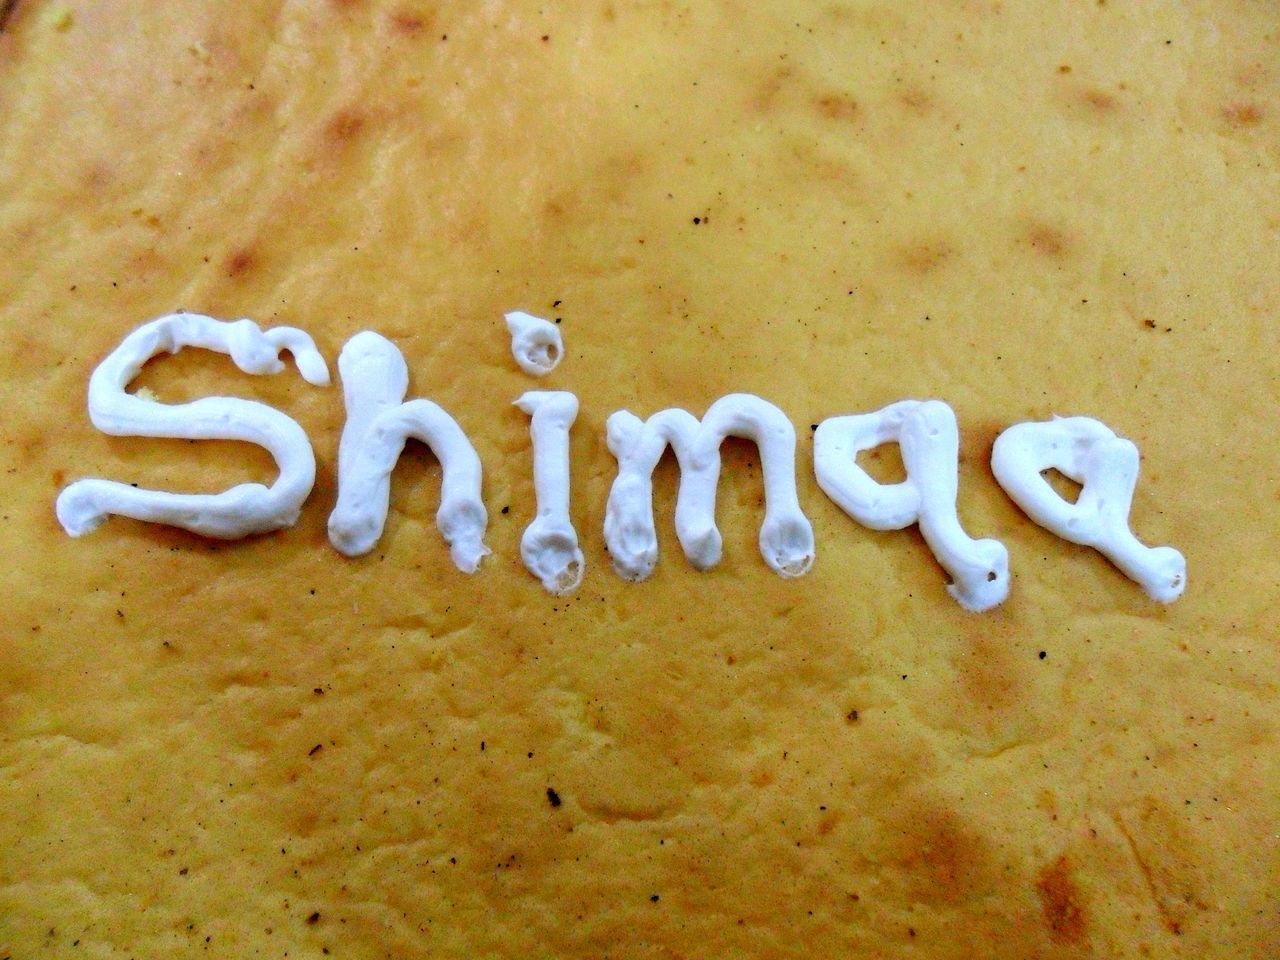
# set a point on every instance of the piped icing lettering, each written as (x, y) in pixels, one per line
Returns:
(380, 421)
(927, 435)
(536, 344)
(1106, 467)
(549, 546)
(374, 382)
(786, 536)
(245, 509)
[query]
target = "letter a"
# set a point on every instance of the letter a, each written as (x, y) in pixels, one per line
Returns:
(1106, 467)
(927, 435)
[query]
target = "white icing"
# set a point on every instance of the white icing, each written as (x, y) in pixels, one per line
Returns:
(245, 509)
(535, 343)
(549, 546)
(786, 537)
(929, 440)
(1106, 466)
(374, 382)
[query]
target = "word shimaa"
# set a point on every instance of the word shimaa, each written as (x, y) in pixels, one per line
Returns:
(380, 420)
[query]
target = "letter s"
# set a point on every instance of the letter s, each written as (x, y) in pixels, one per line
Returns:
(242, 510)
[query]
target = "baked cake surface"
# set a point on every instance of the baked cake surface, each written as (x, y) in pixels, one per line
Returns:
(263, 748)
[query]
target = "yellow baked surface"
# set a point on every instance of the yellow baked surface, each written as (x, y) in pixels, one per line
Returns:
(263, 749)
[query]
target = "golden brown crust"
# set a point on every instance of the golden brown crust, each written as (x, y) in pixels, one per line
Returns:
(265, 748)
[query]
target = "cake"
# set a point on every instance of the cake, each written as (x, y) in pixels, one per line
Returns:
(267, 747)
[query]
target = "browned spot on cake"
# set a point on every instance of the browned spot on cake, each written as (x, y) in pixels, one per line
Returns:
(948, 859)
(1167, 857)
(615, 177)
(146, 263)
(1064, 915)
(554, 209)
(767, 91)
(1099, 100)
(7, 7)
(976, 441)
(1251, 75)
(916, 100)
(344, 125)
(33, 445)
(97, 176)
(609, 13)
(836, 171)
(986, 670)
(1047, 801)
(924, 256)
(836, 106)
(241, 262)
(409, 23)
(1048, 240)
(1242, 114)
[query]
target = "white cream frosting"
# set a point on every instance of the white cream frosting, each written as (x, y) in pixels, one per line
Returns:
(374, 382)
(786, 537)
(927, 435)
(245, 509)
(535, 343)
(549, 546)
(1106, 466)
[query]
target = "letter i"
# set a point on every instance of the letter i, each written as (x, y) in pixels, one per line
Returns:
(549, 546)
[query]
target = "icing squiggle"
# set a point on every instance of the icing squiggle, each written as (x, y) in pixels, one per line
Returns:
(927, 435)
(549, 546)
(244, 509)
(1106, 466)
(374, 382)
(786, 537)
(535, 343)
